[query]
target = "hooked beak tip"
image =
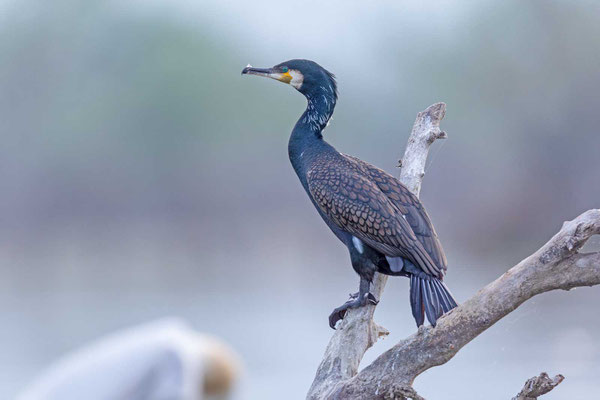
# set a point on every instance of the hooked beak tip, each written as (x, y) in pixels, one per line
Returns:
(245, 70)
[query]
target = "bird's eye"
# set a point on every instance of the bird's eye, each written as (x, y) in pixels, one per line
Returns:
(284, 69)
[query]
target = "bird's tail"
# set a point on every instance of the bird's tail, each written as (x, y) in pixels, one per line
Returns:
(429, 296)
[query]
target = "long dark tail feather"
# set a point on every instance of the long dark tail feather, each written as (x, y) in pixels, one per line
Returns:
(430, 309)
(438, 304)
(429, 296)
(416, 300)
(449, 301)
(446, 303)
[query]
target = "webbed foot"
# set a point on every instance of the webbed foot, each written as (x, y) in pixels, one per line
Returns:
(354, 301)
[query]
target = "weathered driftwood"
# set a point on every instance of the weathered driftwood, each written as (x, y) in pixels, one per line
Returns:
(557, 265)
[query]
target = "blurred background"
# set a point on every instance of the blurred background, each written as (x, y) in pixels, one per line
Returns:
(141, 176)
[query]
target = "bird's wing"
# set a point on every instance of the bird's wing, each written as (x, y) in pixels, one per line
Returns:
(410, 206)
(357, 205)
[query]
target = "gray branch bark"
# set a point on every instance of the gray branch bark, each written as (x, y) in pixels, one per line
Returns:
(537, 386)
(557, 265)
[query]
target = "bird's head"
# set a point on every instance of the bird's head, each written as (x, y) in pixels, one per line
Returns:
(308, 77)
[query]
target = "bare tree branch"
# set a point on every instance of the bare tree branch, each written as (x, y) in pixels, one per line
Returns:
(538, 386)
(557, 265)
(357, 332)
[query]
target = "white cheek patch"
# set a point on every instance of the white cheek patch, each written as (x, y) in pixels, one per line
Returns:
(297, 78)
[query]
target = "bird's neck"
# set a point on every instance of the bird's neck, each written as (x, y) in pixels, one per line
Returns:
(307, 134)
(319, 108)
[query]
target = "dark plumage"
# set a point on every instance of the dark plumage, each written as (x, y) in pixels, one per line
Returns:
(384, 226)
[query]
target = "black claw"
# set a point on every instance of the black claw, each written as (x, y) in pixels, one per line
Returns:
(335, 316)
(371, 298)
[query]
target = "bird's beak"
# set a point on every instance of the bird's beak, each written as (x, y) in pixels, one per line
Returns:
(250, 70)
(268, 72)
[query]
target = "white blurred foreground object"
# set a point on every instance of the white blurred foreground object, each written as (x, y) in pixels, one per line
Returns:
(163, 360)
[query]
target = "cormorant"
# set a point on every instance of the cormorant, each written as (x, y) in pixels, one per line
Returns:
(384, 225)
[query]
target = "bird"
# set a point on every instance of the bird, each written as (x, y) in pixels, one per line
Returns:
(382, 223)
(162, 359)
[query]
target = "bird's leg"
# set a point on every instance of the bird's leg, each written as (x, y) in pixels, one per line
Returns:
(363, 297)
